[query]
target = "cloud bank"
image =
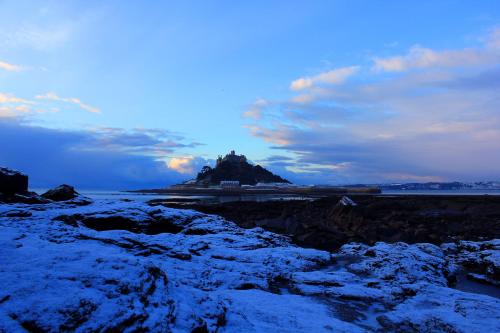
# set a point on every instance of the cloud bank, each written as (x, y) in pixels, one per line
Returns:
(425, 115)
(101, 158)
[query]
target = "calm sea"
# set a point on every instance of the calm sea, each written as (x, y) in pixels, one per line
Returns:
(443, 192)
(117, 195)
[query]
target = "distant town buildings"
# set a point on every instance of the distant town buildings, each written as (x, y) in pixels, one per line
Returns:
(273, 185)
(229, 184)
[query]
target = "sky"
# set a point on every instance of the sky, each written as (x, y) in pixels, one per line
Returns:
(139, 94)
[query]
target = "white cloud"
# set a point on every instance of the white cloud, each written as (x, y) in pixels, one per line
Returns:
(276, 135)
(54, 97)
(13, 106)
(10, 98)
(14, 111)
(421, 57)
(10, 67)
(335, 76)
(181, 164)
(256, 109)
(187, 165)
(8, 112)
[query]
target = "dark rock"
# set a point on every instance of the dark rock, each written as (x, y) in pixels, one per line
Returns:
(150, 225)
(113, 222)
(247, 286)
(61, 193)
(328, 223)
(202, 328)
(179, 255)
(12, 181)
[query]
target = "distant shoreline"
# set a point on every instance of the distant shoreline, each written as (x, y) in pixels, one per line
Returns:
(316, 192)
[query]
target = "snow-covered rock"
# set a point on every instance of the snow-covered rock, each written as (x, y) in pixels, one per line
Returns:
(346, 201)
(127, 266)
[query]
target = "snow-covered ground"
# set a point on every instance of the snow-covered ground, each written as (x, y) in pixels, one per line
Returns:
(65, 267)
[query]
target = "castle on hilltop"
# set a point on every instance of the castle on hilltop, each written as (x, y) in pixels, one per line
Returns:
(233, 170)
(231, 158)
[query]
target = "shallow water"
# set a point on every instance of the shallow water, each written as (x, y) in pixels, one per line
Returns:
(470, 286)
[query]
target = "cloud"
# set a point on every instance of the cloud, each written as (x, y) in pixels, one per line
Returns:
(181, 164)
(147, 142)
(10, 67)
(187, 165)
(492, 41)
(51, 157)
(13, 111)
(336, 76)
(10, 98)
(438, 123)
(12, 106)
(275, 135)
(255, 110)
(277, 158)
(419, 57)
(54, 97)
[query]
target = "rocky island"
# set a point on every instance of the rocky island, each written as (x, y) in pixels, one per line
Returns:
(234, 167)
(72, 264)
(234, 175)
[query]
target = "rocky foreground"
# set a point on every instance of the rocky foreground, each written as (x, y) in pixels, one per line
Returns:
(117, 266)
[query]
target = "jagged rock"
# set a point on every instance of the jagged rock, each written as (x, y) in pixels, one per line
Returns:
(61, 193)
(12, 181)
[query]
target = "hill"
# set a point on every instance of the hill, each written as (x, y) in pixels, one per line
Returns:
(236, 167)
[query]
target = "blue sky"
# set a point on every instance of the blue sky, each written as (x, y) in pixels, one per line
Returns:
(318, 91)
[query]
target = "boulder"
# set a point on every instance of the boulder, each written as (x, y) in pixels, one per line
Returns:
(61, 193)
(12, 181)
